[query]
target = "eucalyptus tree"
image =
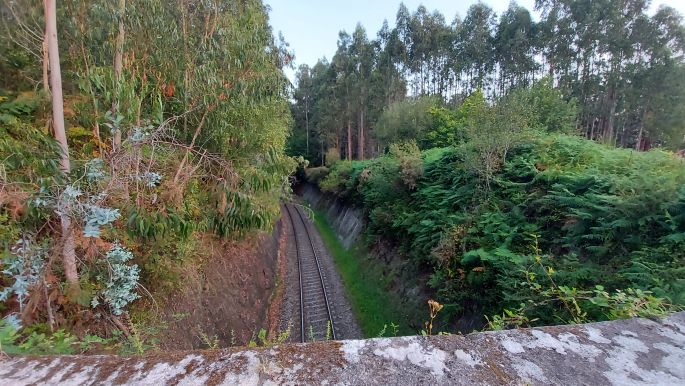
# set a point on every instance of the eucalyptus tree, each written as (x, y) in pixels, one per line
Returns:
(656, 93)
(303, 100)
(515, 48)
(389, 80)
(329, 108)
(475, 42)
(68, 241)
(618, 64)
(343, 68)
(362, 59)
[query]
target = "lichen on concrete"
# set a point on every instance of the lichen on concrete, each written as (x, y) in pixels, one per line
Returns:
(405, 349)
(467, 358)
(626, 352)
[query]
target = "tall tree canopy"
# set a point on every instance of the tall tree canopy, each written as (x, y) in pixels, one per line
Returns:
(622, 67)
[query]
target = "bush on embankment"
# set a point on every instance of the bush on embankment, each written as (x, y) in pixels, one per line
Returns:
(562, 216)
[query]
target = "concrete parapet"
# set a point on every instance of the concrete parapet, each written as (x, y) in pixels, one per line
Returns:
(625, 352)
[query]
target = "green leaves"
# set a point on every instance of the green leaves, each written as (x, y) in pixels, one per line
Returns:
(158, 225)
(601, 216)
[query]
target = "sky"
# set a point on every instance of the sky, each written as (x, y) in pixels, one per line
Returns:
(311, 26)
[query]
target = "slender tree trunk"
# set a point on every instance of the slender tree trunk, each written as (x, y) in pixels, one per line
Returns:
(56, 83)
(177, 176)
(338, 146)
(349, 140)
(609, 132)
(360, 140)
(46, 65)
(69, 253)
(306, 120)
(118, 67)
(638, 143)
(68, 243)
(186, 57)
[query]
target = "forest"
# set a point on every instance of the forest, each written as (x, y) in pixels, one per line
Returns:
(531, 171)
(528, 165)
(132, 135)
(620, 67)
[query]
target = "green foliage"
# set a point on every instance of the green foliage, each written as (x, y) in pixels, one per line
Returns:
(410, 164)
(119, 281)
(332, 156)
(28, 155)
(200, 104)
(35, 341)
(262, 340)
(23, 264)
(602, 216)
(612, 70)
(154, 226)
(315, 175)
(573, 305)
(338, 177)
(550, 111)
(22, 106)
(406, 120)
(447, 129)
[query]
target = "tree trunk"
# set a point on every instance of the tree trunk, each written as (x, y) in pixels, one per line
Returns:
(46, 65)
(69, 253)
(349, 140)
(177, 176)
(360, 140)
(68, 243)
(56, 83)
(638, 143)
(609, 132)
(118, 67)
(306, 120)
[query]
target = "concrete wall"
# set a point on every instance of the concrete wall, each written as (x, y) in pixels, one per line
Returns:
(625, 352)
(348, 222)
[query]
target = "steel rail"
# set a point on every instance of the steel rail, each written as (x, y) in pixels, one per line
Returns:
(299, 273)
(318, 266)
(319, 271)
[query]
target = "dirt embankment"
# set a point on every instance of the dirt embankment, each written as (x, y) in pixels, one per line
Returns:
(224, 299)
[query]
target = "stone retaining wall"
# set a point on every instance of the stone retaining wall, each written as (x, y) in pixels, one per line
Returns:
(346, 221)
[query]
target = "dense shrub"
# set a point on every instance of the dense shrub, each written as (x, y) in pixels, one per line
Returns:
(406, 120)
(332, 156)
(315, 175)
(566, 210)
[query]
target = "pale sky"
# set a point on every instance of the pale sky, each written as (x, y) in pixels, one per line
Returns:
(311, 26)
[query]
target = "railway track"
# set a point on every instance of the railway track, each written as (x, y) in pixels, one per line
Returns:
(316, 319)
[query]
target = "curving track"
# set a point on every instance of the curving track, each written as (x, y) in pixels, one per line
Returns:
(316, 319)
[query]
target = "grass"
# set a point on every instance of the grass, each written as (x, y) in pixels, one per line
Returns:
(367, 287)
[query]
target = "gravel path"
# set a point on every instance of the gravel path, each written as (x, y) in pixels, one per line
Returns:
(346, 326)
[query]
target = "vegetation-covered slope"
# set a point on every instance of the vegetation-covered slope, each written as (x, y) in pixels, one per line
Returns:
(562, 216)
(176, 119)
